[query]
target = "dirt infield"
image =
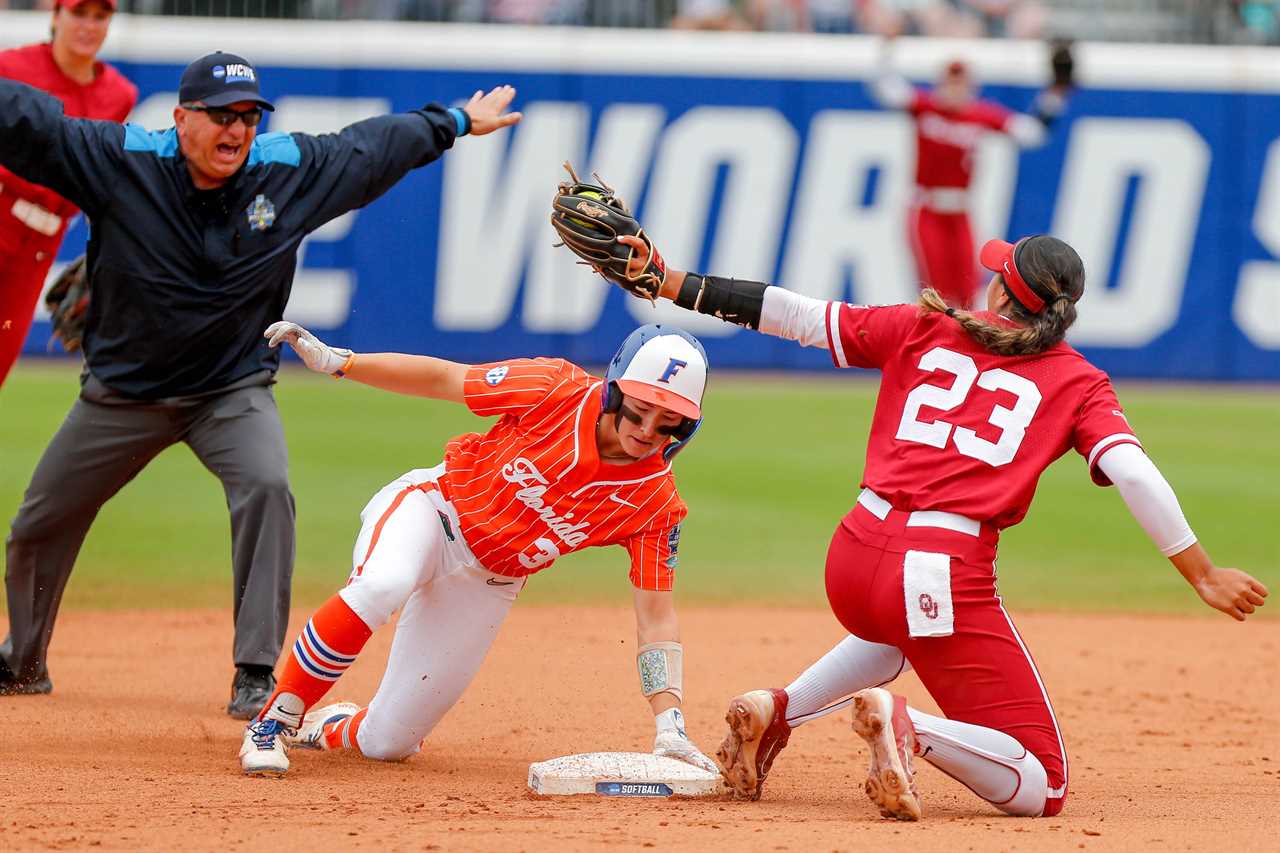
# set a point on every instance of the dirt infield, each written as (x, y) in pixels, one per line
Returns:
(1171, 724)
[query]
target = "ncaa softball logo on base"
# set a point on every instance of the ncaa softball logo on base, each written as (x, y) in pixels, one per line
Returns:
(496, 375)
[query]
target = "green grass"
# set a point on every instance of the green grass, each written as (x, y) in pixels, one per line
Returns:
(773, 470)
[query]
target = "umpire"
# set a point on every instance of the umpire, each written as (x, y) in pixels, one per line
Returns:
(194, 234)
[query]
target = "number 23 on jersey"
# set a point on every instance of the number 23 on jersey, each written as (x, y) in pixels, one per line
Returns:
(938, 432)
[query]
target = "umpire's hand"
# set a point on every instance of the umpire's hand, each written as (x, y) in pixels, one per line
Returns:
(487, 112)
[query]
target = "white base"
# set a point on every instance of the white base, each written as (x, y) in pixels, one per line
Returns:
(621, 774)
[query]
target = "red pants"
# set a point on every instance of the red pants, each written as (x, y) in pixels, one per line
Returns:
(943, 247)
(981, 674)
(25, 259)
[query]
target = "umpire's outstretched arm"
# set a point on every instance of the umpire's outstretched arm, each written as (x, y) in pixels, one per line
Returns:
(77, 158)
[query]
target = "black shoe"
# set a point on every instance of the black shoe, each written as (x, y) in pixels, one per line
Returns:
(11, 685)
(250, 690)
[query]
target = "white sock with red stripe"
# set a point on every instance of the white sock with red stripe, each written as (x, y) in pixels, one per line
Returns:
(854, 664)
(992, 764)
(327, 646)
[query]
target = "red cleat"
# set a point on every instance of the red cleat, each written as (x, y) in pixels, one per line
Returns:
(758, 731)
(880, 718)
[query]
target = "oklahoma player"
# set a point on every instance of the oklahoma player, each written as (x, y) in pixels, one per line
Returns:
(949, 122)
(572, 461)
(34, 219)
(973, 406)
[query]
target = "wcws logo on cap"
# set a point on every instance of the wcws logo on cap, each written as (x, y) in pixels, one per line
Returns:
(235, 73)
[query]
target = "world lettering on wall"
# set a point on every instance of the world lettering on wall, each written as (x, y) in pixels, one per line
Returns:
(1171, 196)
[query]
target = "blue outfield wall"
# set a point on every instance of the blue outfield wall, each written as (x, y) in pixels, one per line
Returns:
(762, 160)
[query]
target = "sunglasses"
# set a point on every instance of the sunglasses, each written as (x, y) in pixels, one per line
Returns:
(225, 116)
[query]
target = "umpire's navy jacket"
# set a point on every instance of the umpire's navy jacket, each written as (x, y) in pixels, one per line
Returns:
(185, 280)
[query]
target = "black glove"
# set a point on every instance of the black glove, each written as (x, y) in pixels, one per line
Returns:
(1062, 64)
(589, 219)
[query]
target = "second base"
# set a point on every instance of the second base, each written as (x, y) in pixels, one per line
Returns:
(621, 774)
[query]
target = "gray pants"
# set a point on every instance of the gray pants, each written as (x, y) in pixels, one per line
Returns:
(104, 442)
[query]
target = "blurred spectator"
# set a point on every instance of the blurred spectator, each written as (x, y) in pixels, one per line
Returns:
(1260, 19)
(537, 11)
(1000, 18)
(908, 17)
(707, 15)
(819, 16)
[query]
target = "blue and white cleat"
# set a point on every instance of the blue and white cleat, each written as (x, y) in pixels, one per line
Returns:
(265, 750)
(311, 735)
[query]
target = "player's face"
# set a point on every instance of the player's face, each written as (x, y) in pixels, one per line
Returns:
(81, 31)
(955, 89)
(215, 151)
(644, 427)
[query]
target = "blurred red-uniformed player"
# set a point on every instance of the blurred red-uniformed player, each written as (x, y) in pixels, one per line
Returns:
(950, 120)
(34, 219)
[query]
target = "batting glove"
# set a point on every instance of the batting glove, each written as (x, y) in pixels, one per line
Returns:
(672, 741)
(315, 353)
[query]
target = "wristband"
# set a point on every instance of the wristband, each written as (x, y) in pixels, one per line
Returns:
(346, 366)
(461, 120)
(729, 299)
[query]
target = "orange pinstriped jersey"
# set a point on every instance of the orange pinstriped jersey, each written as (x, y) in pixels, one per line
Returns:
(533, 487)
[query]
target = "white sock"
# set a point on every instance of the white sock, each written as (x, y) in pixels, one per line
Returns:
(992, 764)
(854, 664)
(287, 708)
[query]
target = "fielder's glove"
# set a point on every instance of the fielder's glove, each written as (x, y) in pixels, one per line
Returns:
(68, 303)
(1062, 64)
(589, 219)
(1051, 102)
(315, 353)
(672, 742)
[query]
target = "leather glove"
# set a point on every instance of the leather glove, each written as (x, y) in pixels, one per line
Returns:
(315, 353)
(672, 742)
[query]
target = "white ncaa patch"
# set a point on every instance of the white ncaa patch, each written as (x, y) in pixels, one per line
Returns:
(496, 374)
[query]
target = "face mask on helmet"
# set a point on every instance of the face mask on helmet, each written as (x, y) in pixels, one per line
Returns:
(665, 367)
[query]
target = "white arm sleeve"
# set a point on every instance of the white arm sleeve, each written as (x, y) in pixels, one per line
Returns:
(789, 315)
(891, 90)
(1148, 496)
(1027, 131)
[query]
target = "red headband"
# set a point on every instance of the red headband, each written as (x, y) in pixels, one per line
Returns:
(997, 256)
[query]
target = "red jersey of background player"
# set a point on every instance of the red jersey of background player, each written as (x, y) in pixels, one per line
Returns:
(960, 429)
(110, 96)
(534, 488)
(946, 136)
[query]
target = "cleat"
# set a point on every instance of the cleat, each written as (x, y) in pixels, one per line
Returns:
(758, 731)
(311, 735)
(250, 690)
(265, 749)
(880, 718)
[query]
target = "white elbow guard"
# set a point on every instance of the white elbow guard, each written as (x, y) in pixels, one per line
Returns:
(661, 668)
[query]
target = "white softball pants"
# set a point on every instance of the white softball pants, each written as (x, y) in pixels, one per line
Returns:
(450, 610)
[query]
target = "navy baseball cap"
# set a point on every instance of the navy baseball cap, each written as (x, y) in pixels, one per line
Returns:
(220, 79)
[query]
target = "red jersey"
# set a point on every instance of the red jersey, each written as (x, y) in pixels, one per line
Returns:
(960, 429)
(533, 487)
(945, 138)
(109, 97)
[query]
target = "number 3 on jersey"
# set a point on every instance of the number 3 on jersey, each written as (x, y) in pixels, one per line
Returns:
(1012, 422)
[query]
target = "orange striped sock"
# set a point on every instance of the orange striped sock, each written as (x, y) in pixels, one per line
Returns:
(327, 646)
(342, 734)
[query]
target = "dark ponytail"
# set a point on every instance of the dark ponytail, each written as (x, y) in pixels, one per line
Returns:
(1055, 272)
